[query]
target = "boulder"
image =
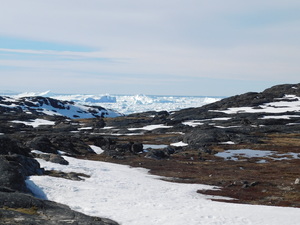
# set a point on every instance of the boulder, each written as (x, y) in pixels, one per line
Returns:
(9, 146)
(73, 145)
(11, 175)
(15, 168)
(137, 147)
(157, 154)
(53, 158)
(42, 143)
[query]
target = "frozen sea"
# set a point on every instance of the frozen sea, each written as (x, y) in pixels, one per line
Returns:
(128, 104)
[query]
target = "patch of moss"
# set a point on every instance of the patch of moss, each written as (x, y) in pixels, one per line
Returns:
(29, 211)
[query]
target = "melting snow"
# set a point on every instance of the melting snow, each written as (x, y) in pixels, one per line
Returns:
(272, 107)
(179, 144)
(279, 117)
(150, 127)
(155, 146)
(36, 122)
(249, 153)
(97, 149)
(131, 196)
(195, 123)
(228, 143)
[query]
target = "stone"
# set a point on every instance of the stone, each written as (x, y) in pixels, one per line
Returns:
(20, 208)
(43, 144)
(137, 147)
(15, 168)
(156, 154)
(73, 145)
(54, 158)
(58, 159)
(9, 146)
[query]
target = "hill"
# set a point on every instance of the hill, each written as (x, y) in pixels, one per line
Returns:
(248, 145)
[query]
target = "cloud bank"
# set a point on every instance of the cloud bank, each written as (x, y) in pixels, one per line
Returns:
(161, 47)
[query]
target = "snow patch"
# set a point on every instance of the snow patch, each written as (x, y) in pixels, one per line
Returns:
(272, 107)
(151, 127)
(227, 143)
(131, 196)
(193, 123)
(179, 144)
(279, 117)
(35, 123)
(155, 146)
(39, 152)
(97, 149)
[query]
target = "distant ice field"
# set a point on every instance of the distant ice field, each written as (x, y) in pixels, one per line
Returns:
(128, 104)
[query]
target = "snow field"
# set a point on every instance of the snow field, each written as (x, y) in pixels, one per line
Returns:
(272, 107)
(131, 196)
(36, 122)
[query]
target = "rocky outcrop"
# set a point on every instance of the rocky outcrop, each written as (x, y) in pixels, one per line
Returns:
(250, 99)
(42, 143)
(54, 158)
(9, 146)
(71, 144)
(17, 205)
(38, 105)
(19, 208)
(13, 173)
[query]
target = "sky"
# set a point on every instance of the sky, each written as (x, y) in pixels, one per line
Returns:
(165, 47)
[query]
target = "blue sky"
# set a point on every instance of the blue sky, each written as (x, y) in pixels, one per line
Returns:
(165, 47)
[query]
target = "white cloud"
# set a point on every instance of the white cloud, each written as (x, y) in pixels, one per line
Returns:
(216, 39)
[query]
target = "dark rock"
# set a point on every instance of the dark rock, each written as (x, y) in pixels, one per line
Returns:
(198, 138)
(19, 208)
(43, 144)
(122, 147)
(245, 186)
(29, 166)
(157, 154)
(254, 183)
(63, 127)
(9, 146)
(53, 158)
(102, 142)
(11, 175)
(170, 150)
(98, 123)
(137, 147)
(70, 176)
(73, 145)
(15, 168)
(58, 159)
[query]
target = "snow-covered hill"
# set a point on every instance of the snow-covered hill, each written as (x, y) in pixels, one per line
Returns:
(53, 107)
